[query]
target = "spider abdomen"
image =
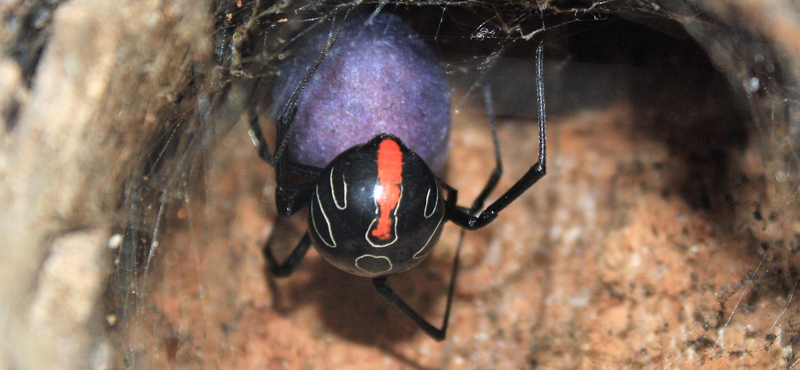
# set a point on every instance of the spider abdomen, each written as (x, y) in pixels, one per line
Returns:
(377, 209)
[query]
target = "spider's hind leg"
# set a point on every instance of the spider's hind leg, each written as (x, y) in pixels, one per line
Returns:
(392, 297)
(285, 269)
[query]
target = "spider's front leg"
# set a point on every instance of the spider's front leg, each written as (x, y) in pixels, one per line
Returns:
(289, 198)
(465, 219)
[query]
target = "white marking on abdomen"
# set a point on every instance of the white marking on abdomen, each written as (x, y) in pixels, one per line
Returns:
(435, 204)
(328, 222)
(417, 255)
(333, 193)
(376, 257)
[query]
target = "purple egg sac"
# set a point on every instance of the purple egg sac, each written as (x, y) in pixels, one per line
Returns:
(377, 78)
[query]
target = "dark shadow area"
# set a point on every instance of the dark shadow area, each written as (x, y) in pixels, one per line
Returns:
(679, 98)
(676, 94)
(350, 306)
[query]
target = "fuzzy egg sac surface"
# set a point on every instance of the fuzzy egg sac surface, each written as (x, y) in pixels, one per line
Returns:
(379, 77)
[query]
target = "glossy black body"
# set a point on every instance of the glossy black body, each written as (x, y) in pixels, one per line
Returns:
(343, 208)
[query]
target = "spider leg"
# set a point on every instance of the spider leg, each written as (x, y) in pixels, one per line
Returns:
(289, 198)
(535, 173)
(285, 269)
(436, 333)
(452, 197)
(494, 178)
(258, 136)
(286, 196)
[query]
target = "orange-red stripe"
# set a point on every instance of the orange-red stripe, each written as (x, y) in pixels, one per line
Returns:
(390, 176)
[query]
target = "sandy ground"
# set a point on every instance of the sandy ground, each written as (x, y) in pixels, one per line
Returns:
(606, 263)
(663, 244)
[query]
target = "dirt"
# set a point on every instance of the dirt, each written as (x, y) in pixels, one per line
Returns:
(603, 264)
(652, 243)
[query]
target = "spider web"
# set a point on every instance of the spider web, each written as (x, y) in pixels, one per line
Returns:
(664, 235)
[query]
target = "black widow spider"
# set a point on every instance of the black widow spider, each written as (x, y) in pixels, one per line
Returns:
(377, 209)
